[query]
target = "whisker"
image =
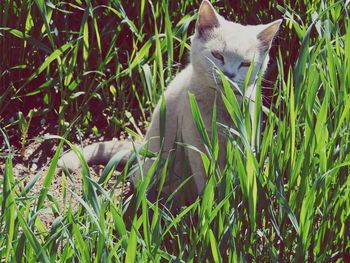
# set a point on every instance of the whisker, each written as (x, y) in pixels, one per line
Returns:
(268, 81)
(266, 100)
(267, 88)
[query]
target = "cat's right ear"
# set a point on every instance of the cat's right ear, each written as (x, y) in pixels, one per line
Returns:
(269, 32)
(207, 19)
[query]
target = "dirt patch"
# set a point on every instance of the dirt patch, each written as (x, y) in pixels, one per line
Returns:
(30, 167)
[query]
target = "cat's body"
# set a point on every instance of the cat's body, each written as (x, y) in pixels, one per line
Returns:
(232, 48)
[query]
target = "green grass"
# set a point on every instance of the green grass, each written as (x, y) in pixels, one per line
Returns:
(98, 64)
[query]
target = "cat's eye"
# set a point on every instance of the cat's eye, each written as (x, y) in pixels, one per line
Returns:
(218, 56)
(245, 64)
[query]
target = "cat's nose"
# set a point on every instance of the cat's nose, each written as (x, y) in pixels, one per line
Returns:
(231, 75)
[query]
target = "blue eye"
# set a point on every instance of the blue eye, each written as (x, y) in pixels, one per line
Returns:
(245, 64)
(218, 56)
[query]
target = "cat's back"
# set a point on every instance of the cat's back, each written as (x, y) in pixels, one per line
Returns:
(175, 95)
(181, 83)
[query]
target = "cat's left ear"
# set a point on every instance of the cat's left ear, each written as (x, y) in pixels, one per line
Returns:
(207, 19)
(268, 33)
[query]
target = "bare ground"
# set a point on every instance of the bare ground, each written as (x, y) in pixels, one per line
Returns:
(33, 161)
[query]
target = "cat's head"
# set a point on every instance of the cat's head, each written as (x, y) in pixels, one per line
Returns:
(230, 46)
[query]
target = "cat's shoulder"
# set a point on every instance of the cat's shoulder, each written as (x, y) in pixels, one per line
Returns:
(182, 81)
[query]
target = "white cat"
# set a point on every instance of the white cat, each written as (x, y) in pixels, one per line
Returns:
(232, 47)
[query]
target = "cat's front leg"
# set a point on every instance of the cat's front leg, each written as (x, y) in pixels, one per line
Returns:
(198, 171)
(192, 138)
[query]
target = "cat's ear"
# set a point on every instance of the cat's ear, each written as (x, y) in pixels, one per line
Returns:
(207, 19)
(268, 33)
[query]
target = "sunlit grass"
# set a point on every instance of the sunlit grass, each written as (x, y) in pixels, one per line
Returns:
(284, 194)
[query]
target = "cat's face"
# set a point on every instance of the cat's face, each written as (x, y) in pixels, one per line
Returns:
(230, 46)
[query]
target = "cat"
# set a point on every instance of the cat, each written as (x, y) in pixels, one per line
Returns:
(229, 46)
